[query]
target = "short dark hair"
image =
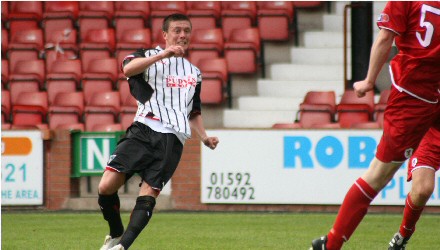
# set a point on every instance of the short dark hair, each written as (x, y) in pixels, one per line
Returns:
(172, 18)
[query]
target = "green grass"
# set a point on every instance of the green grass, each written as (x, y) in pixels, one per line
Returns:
(205, 230)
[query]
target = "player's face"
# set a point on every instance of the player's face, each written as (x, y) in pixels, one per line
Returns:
(179, 33)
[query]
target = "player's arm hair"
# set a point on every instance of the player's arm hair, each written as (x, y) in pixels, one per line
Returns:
(379, 53)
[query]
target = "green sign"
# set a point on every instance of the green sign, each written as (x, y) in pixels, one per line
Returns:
(92, 151)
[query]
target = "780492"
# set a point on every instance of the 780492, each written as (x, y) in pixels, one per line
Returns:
(230, 186)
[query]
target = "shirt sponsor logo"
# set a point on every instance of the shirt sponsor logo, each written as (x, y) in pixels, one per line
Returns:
(181, 81)
(383, 18)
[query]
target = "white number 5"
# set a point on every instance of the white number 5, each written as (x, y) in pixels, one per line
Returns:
(429, 28)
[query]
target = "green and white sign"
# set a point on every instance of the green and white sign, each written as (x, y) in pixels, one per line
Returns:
(92, 152)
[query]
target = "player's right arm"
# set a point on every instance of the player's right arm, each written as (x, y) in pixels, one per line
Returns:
(379, 55)
(139, 64)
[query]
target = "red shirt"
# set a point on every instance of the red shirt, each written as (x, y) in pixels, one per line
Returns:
(416, 68)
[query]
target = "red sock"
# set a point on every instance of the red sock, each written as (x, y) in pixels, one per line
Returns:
(352, 211)
(411, 215)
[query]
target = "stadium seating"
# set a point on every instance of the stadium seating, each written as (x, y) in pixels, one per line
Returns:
(94, 15)
(98, 44)
(24, 15)
(25, 45)
(131, 15)
(102, 108)
(242, 51)
(5, 13)
(65, 76)
(6, 106)
(59, 16)
(30, 109)
(205, 44)
(5, 40)
(67, 108)
(101, 76)
(237, 15)
(53, 55)
(352, 109)
(216, 84)
(62, 39)
(203, 14)
(275, 20)
(131, 41)
(29, 71)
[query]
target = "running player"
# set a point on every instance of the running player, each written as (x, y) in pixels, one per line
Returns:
(167, 89)
(412, 107)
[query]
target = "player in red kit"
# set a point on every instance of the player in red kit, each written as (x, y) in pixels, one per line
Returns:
(412, 109)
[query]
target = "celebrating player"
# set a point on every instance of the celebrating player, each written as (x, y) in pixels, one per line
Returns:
(412, 109)
(167, 89)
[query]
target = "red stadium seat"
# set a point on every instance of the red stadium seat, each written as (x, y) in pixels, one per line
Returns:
(18, 87)
(242, 51)
(205, 44)
(131, 41)
(24, 15)
(6, 106)
(101, 76)
(98, 44)
(308, 4)
(53, 55)
(102, 108)
(30, 109)
(64, 39)
(215, 81)
(161, 9)
(29, 71)
(94, 15)
(65, 76)
(237, 15)
(59, 16)
(25, 45)
(131, 15)
(317, 110)
(5, 12)
(275, 19)
(67, 108)
(352, 109)
(203, 14)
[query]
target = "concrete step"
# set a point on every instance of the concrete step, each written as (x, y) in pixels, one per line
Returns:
(325, 39)
(267, 103)
(256, 119)
(319, 55)
(307, 72)
(297, 89)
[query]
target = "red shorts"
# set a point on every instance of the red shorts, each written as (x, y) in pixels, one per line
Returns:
(427, 154)
(406, 120)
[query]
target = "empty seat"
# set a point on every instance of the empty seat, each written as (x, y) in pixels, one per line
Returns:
(352, 109)
(59, 16)
(111, 127)
(131, 41)
(65, 76)
(24, 15)
(94, 15)
(131, 15)
(161, 9)
(275, 19)
(53, 55)
(5, 12)
(6, 106)
(216, 83)
(237, 15)
(67, 108)
(319, 101)
(29, 71)
(30, 108)
(203, 14)
(25, 45)
(242, 51)
(18, 87)
(101, 76)
(99, 39)
(205, 44)
(102, 108)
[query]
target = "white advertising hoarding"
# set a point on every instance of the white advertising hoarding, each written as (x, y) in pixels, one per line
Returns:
(294, 167)
(22, 168)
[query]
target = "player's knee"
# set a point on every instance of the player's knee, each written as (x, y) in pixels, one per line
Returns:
(106, 188)
(422, 190)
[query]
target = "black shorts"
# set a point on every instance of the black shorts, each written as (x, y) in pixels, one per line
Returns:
(153, 155)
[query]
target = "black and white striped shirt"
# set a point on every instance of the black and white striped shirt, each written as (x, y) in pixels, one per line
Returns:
(176, 84)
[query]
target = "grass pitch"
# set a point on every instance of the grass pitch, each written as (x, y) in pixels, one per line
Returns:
(204, 230)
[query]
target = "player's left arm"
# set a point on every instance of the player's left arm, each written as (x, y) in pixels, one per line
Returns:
(196, 121)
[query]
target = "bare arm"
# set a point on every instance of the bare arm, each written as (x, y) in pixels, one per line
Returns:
(196, 123)
(138, 65)
(379, 54)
